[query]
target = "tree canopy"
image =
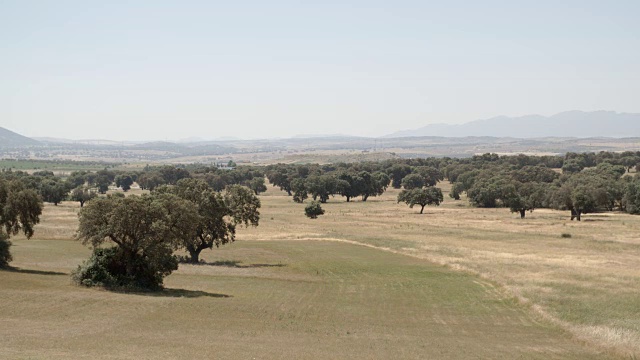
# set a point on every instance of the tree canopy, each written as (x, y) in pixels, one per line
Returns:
(145, 230)
(421, 196)
(20, 210)
(217, 214)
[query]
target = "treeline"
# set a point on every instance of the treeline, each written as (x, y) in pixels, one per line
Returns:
(184, 213)
(581, 183)
(82, 186)
(196, 207)
(577, 182)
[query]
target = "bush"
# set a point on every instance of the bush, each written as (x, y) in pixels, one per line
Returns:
(107, 268)
(566, 236)
(5, 254)
(313, 210)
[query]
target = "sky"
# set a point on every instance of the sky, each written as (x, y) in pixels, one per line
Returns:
(169, 70)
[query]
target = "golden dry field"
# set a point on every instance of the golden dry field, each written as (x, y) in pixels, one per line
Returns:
(367, 280)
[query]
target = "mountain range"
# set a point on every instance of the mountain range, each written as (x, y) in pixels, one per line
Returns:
(10, 139)
(570, 124)
(576, 124)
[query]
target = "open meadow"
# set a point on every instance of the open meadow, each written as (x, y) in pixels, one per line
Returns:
(368, 279)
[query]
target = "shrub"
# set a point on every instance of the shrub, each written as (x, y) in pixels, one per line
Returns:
(108, 268)
(5, 254)
(313, 210)
(565, 235)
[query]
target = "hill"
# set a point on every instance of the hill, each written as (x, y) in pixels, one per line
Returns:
(566, 124)
(10, 139)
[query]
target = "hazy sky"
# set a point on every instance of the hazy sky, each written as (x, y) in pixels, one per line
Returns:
(163, 70)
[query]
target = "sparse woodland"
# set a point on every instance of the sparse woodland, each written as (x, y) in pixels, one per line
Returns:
(138, 237)
(216, 200)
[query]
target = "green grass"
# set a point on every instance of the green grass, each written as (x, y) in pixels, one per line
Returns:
(584, 284)
(270, 300)
(53, 165)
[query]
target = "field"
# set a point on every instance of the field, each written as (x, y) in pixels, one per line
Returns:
(59, 167)
(366, 280)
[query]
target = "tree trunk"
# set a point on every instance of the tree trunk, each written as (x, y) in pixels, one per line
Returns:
(578, 213)
(365, 197)
(422, 209)
(348, 198)
(573, 214)
(194, 255)
(130, 258)
(523, 213)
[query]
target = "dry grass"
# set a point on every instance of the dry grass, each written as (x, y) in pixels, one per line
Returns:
(587, 283)
(271, 300)
(300, 288)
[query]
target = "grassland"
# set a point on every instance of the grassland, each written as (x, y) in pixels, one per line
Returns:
(57, 166)
(343, 286)
(588, 284)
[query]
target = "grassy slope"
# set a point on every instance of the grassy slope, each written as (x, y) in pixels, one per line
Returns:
(587, 283)
(273, 299)
(289, 296)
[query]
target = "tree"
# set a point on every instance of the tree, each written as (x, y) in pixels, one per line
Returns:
(124, 181)
(487, 192)
(146, 230)
(243, 205)
(150, 180)
(90, 178)
(526, 197)
(172, 174)
(430, 175)
(540, 174)
(572, 166)
(581, 193)
(281, 178)
(413, 181)
(349, 185)
(464, 181)
(321, 186)
(218, 214)
(629, 162)
(257, 185)
(82, 195)
(456, 190)
(632, 197)
(53, 190)
(397, 172)
(313, 210)
(102, 182)
(76, 179)
(374, 185)
(299, 190)
(20, 210)
(422, 196)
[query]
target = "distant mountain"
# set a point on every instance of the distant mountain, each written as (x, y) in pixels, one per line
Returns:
(197, 140)
(10, 139)
(322, 136)
(577, 124)
(89, 142)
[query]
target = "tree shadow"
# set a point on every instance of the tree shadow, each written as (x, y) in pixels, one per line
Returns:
(33, 272)
(238, 264)
(181, 293)
(188, 293)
